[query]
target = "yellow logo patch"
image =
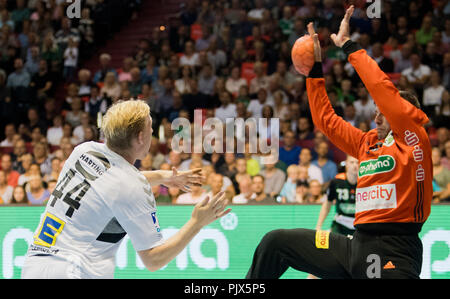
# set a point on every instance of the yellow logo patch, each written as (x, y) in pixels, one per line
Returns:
(322, 239)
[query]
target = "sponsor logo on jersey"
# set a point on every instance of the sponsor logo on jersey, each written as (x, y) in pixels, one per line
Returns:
(322, 239)
(384, 163)
(156, 222)
(376, 197)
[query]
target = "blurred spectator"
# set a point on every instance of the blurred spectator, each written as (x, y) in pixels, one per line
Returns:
(56, 167)
(197, 194)
(55, 132)
(228, 168)
(111, 89)
(302, 192)
(18, 150)
(215, 181)
(351, 116)
(431, 57)
(51, 52)
(316, 195)
(432, 95)
(418, 73)
(314, 172)
(234, 82)
(67, 136)
(73, 116)
(241, 172)
(288, 191)
(20, 77)
(85, 123)
(289, 152)
(260, 80)
(146, 163)
(189, 57)
(207, 80)
(86, 28)
(226, 109)
(12, 176)
(41, 157)
(32, 62)
(196, 158)
(216, 57)
(105, 61)
(426, 31)
(10, 131)
(280, 109)
(43, 81)
(6, 191)
(442, 136)
(65, 34)
(327, 166)
(304, 128)
(71, 57)
(364, 105)
(149, 73)
(255, 106)
(441, 175)
(36, 192)
(386, 64)
(30, 169)
(245, 191)
(84, 82)
(256, 13)
(19, 196)
(274, 179)
(135, 84)
(445, 160)
(259, 196)
(158, 157)
(124, 72)
(182, 85)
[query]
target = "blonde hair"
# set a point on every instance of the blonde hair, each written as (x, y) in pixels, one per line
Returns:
(123, 121)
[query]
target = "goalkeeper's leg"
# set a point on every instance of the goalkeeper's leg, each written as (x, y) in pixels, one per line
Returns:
(323, 254)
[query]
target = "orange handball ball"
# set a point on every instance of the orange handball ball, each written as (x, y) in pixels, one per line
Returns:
(303, 54)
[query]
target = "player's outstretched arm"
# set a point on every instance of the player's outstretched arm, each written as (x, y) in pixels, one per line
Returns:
(205, 212)
(400, 114)
(324, 211)
(340, 132)
(182, 180)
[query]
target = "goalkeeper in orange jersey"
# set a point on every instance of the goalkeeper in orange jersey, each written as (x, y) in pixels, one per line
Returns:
(394, 186)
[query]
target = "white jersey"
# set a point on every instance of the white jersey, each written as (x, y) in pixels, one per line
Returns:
(99, 198)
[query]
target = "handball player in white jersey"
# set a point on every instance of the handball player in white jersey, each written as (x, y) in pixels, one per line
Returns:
(100, 197)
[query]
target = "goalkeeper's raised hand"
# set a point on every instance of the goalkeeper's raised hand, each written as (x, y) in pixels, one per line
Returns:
(344, 29)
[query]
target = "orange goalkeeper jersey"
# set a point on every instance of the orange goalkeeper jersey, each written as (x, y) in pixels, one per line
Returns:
(395, 174)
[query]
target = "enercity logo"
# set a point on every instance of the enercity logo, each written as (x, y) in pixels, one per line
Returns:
(235, 135)
(73, 11)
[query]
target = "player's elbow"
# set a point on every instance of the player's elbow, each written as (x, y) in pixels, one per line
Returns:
(152, 268)
(151, 260)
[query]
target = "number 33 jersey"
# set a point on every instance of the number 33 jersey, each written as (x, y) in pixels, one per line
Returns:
(98, 199)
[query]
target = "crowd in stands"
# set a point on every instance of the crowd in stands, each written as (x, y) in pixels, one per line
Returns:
(228, 59)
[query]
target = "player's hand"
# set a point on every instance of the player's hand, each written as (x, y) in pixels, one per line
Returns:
(315, 37)
(210, 209)
(183, 180)
(344, 30)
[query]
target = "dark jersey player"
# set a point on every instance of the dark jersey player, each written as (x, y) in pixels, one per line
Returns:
(342, 191)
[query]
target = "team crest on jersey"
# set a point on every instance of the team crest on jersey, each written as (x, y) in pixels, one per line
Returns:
(384, 163)
(389, 140)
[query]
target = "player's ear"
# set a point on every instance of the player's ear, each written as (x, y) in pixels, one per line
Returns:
(140, 137)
